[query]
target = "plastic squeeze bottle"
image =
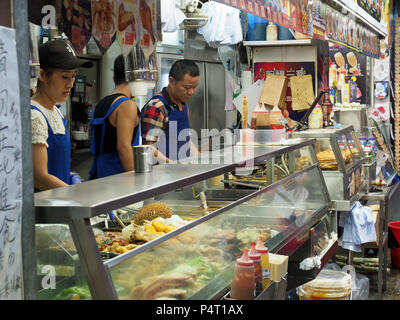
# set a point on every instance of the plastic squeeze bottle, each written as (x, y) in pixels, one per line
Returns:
(256, 257)
(242, 287)
(245, 111)
(260, 118)
(263, 251)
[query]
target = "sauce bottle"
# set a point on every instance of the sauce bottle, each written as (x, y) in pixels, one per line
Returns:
(263, 251)
(272, 32)
(315, 119)
(260, 118)
(256, 257)
(242, 287)
(276, 118)
(245, 111)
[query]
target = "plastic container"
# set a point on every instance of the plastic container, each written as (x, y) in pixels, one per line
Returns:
(315, 119)
(242, 287)
(258, 279)
(372, 142)
(395, 255)
(368, 154)
(395, 228)
(272, 32)
(363, 141)
(263, 251)
(256, 28)
(328, 285)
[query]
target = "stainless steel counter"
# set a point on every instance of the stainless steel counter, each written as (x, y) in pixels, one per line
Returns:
(91, 198)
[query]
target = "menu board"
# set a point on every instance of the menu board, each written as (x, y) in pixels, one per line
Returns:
(127, 22)
(148, 27)
(10, 170)
(104, 23)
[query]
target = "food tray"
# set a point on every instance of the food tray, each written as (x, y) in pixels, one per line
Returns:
(189, 209)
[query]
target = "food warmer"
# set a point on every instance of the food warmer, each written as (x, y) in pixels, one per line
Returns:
(196, 259)
(341, 159)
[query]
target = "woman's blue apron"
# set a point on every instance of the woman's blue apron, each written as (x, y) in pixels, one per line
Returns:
(178, 121)
(58, 151)
(106, 164)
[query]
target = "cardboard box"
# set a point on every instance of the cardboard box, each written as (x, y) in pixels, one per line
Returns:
(274, 91)
(302, 92)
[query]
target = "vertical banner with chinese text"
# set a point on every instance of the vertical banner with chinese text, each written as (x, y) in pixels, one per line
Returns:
(10, 170)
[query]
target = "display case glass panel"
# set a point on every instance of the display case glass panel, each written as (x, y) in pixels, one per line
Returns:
(325, 155)
(60, 276)
(198, 263)
(345, 150)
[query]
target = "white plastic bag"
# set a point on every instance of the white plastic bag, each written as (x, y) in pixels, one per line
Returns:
(359, 284)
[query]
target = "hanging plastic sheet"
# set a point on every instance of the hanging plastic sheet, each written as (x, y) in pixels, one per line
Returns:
(359, 228)
(223, 27)
(171, 17)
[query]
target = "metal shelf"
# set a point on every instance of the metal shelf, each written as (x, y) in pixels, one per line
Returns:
(302, 42)
(362, 15)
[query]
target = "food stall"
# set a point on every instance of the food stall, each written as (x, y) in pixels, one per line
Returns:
(195, 258)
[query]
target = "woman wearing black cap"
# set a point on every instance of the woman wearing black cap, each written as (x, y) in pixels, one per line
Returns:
(51, 146)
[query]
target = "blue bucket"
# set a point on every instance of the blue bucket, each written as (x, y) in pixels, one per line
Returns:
(256, 28)
(284, 34)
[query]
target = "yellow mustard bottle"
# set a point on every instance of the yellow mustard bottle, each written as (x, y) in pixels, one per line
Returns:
(245, 112)
(263, 251)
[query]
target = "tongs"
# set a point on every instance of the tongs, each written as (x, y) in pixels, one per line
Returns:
(114, 216)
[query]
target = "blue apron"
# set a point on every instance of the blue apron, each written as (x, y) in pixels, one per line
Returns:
(178, 120)
(106, 164)
(58, 152)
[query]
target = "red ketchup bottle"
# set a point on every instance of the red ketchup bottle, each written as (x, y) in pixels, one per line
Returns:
(256, 257)
(242, 287)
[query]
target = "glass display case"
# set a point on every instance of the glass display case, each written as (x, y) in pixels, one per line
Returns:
(167, 243)
(341, 159)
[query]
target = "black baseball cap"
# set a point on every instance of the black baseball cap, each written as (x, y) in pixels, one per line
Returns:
(60, 54)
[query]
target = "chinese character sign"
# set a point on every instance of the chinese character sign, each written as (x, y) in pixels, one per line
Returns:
(10, 170)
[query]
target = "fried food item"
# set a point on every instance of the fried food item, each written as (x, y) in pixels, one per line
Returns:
(159, 285)
(152, 211)
(142, 235)
(171, 294)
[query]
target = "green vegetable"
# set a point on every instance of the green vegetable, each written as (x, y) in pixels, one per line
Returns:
(73, 293)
